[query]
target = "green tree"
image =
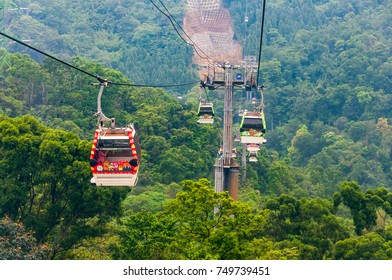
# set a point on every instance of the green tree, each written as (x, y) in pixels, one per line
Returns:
(16, 243)
(307, 224)
(211, 224)
(366, 206)
(144, 236)
(198, 224)
(370, 246)
(303, 146)
(279, 178)
(181, 163)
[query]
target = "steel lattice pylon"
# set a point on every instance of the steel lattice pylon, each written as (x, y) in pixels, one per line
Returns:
(210, 28)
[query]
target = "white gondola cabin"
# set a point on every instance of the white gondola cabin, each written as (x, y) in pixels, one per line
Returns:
(252, 156)
(206, 113)
(252, 128)
(252, 159)
(114, 157)
(253, 148)
(233, 152)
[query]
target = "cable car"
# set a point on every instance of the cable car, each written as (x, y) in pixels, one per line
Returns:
(220, 152)
(206, 113)
(114, 158)
(252, 157)
(252, 128)
(253, 148)
(115, 153)
(233, 152)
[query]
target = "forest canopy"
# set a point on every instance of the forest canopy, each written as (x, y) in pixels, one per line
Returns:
(321, 188)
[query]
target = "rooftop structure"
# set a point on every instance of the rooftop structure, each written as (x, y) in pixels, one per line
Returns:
(209, 26)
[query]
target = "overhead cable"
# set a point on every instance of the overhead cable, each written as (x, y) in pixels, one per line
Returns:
(100, 79)
(261, 42)
(153, 86)
(52, 57)
(172, 21)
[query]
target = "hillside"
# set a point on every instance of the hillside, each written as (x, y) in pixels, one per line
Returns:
(130, 36)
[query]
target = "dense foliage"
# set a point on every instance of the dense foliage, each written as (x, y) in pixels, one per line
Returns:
(130, 36)
(321, 188)
(327, 68)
